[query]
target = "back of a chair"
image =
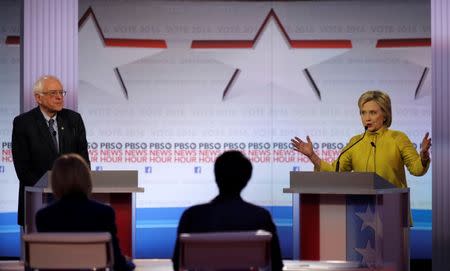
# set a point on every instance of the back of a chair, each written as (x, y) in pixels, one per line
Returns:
(91, 250)
(225, 250)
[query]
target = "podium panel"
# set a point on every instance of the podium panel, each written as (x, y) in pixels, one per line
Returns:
(353, 217)
(114, 188)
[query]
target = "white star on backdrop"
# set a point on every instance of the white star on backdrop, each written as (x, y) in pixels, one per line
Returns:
(271, 63)
(418, 55)
(97, 62)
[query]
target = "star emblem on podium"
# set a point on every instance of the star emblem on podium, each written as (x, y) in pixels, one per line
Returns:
(371, 220)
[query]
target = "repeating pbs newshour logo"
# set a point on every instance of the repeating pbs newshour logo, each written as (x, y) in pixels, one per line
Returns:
(149, 169)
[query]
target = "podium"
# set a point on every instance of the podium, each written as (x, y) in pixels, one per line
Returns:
(350, 216)
(114, 188)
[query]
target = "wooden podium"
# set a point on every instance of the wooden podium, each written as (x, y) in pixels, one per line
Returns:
(115, 188)
(350, 216)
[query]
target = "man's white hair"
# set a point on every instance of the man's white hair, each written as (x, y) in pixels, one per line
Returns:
(38, 86)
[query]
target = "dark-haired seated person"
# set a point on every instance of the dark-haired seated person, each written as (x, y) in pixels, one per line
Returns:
(74, 211)
(228, 211)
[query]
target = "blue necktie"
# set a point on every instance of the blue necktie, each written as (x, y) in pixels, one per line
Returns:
(53, 133)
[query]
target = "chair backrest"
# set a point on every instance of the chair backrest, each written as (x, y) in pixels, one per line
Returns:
(87, 250)
(225, 250)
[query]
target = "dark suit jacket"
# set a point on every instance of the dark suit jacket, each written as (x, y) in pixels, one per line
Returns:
(77, 213)
(228, 214)
(33, 149)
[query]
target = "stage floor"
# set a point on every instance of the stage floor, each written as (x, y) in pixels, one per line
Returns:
(141, 265)
(166, 265)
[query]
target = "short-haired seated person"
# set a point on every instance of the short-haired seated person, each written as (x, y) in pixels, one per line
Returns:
(228, 211)
(74, 211)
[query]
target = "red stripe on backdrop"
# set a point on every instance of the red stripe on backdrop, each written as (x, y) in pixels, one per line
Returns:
(211, 44)
(326, 44)
(113, 42)
(245, 44)
(309, 227)
(398, 43)
(135, 43)
(12, 40)
(15, 40)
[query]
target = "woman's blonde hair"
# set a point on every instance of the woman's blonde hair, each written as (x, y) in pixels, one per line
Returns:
(382, 99)
(71, 175)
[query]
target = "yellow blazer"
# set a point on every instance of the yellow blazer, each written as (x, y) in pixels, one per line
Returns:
(392, 152)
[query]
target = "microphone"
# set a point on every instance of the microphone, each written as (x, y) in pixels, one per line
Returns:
(339, 157)
(374, 156)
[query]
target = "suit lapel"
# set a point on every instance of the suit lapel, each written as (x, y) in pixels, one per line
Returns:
(43, 129)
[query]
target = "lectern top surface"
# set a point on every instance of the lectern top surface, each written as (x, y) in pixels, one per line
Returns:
(358, 183)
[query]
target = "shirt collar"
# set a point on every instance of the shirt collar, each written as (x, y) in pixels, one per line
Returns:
(379, 132)
(47, 118)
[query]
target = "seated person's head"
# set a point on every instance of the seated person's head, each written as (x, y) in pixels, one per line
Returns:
(71, 175)
(233, 171)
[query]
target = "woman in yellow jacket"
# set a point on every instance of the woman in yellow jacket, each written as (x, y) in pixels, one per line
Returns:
(380, 150)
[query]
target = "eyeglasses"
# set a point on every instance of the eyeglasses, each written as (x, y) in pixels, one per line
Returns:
(54, 93)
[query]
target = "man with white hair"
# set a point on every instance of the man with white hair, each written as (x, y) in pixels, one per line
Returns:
(44, 133)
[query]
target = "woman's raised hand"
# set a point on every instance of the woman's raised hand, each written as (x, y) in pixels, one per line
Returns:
(306, 148)
(424, 149)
